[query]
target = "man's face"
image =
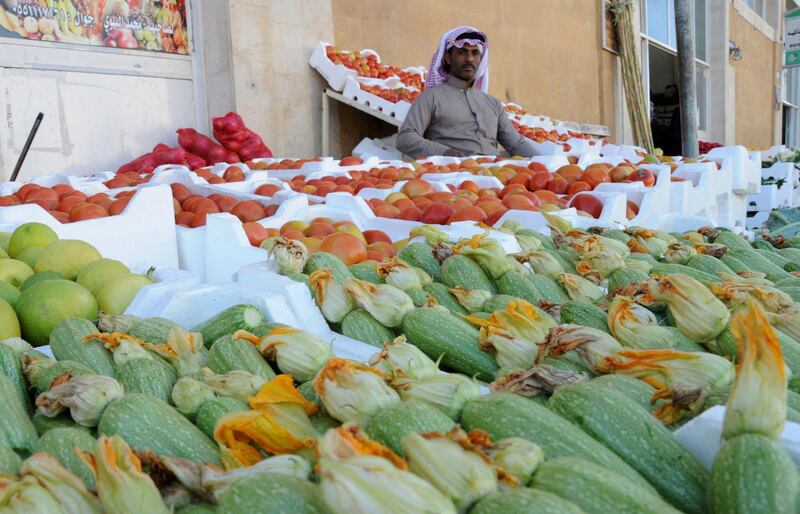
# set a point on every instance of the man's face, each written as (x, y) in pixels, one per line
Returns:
(463, 62)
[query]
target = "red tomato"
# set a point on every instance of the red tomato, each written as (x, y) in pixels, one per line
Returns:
(578, 187)
(558, 185)
(538, 181)
(587, 203)
(643, 175)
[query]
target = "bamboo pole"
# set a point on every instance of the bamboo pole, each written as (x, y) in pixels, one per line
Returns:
(637, 101)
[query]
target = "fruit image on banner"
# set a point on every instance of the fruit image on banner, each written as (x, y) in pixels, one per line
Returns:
(158, 26)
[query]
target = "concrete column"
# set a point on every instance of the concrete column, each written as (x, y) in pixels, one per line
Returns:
(684, 28)
(721, 95)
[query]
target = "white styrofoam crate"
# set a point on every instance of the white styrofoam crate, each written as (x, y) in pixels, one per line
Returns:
(732, 211)
(615, 207)
(697, 194)
(397, 110)
(745, 168)
(756, 219)
(165, 280)
(376, 148)
(652, 201)
(142, 235)
(335, 74)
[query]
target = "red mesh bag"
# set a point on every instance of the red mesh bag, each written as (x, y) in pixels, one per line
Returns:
(234, 135)
(203, 147)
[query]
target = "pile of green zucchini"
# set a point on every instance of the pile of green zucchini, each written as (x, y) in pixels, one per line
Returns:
(594, 346)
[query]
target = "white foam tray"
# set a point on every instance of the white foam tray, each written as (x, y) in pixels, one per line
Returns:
(745, 168)
(142, 235)
(376, 148)
(165, 280)
(397, 110)
(702, 436)
(87, 185)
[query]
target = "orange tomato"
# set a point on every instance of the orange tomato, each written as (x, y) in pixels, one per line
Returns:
(346, 246)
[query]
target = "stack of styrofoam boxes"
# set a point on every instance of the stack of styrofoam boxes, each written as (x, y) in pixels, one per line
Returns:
(745, 178)
(772, 196)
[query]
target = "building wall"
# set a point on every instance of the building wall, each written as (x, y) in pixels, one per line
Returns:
(754, 81)
(545, 55)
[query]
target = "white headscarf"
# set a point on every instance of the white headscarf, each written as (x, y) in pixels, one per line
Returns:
(436, 73)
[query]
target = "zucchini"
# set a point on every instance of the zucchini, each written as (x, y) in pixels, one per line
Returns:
(11, 366)
(498, 302)
(594, 489)
(147, 423)
(709, 264)
(518, 285)
(298, 277)
(320, 260)
(547, 241)
(238, 317)
(442, 335)
(152, 330)
(271, 493)
(756, 262)
(61, 443)
(148, 376)
(774, 257)
(65, 343)
(228, 354)
(566, 264)
(790, 349)
(733, 263)
(421, 256)
(624, 276)
(9, 462)
(212, 410)
(636, 390)
(788, 282)
(419, 296)
(644, 257)
(44, 424)
(732, 241)
(524, 500)
(16, 428)
(365, 270)
(565, 363)
(361, 326)
(585, 314)
(793, 400)
(47, 375)
(639, 439)
(504, 415)
(461, 271)
(671, 269)
(794, 292)
(265, 328)
(751, 473)
(793, 254)
(441, 293)
(549, 289)
(390, 425)
(198, 508)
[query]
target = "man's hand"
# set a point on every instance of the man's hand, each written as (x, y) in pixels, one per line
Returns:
(453, 153)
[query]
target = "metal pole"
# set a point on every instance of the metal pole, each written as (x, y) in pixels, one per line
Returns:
(687, 90)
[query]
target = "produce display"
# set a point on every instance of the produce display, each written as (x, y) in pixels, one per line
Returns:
(67, 204)
(191, 210)
(394, 95)
(369, 66)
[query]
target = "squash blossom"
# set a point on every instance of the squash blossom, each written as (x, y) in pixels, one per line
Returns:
(518, 457)
(541, 379)
(544, 263)
(67, 488)
(277, 424)
(236, 383)
(646, 241)
(698, 314)
(188, 394)
(289, 256)
(111, 323)
(297, 352)
(527, 242)
(85, 396)
(684, 379)
(431, 234)
(386, 303)
(589, 344)
(350, 440)
(487, 253)
(679, 253)
(26, 496)
(402, 359)
(373, 485)
(512, 335)
(183, 349)
(771, 299)
(447, 392)
(597, 266)
(402, 275)
(331, 297)
(635, 326)
(579, 288)
(757, 401)
(463, 473)
(351, 391)
(471, 300)
(123, 347)
(121, 484)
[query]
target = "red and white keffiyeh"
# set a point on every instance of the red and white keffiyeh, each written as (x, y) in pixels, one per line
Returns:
(436, 73)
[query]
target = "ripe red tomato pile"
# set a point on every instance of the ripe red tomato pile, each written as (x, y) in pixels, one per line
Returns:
(191, 210)
(368, 66)
(67, 204)
(391, 95)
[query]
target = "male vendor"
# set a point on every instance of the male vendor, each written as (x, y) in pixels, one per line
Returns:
(454, 115)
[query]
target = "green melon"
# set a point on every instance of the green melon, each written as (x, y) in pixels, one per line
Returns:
(3, 254)
(8, 293)
(67, 256)
(114, 297)
(42, 306)
(99, 273)
(14, 272)
(5, 237)
(40, 277)
(30, 234)
(29, 255)
(9, 324)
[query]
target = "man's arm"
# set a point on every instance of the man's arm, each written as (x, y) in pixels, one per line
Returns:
(512, 140)
(410, 139)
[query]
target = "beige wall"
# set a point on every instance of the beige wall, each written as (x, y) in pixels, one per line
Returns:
(545, 54)
(754, 83)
